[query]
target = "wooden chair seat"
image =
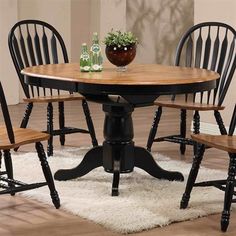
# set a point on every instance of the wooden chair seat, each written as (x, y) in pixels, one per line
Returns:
(22, 137)
(189, 105)
(222, 142)
(12, 138)
(207, 45)
(55, 98)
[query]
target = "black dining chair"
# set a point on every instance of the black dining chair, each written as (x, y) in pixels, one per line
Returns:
(11, 138)
(34, 42)
(208, 45)
(222, 142)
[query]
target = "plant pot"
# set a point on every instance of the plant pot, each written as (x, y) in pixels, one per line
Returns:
(121, 56)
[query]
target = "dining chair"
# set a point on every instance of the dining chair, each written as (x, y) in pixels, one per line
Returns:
(208, 45)
(11, 138)
(222, 142)
(34, 42)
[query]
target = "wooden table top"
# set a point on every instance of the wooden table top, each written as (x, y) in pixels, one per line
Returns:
(136, 74)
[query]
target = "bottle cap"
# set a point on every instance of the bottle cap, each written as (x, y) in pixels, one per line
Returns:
(84, 44)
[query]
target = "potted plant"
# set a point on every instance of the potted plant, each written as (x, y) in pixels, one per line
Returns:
(120, 48)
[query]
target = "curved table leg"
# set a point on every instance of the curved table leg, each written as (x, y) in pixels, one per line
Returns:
(91, 160)
(144, 160)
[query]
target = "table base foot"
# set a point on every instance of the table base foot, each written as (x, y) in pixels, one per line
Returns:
(144, 160)
(91, 160)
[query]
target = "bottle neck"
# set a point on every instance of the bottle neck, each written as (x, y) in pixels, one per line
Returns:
(84, 50)
(95, 41)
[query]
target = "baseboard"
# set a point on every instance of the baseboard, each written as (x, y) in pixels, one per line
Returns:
(208, 128)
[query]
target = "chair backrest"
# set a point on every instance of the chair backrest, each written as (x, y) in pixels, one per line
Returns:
(209, 45)
(6, 115)
(29, 46)
(232, 122)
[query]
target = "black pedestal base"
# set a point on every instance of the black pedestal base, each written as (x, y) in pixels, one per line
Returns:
(118, 154)
(142, 159)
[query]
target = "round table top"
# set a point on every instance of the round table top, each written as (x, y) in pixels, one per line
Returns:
(136, 74)
(138, 84)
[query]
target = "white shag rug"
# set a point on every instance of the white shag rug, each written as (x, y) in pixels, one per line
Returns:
(144, 202)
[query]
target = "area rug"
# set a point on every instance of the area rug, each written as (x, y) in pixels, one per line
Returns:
(144, 202)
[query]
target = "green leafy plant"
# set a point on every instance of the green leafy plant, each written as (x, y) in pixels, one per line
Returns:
(120, 39)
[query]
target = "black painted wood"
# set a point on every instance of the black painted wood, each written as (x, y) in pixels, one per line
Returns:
(208, 45)
(0, 161)
(226, 185)
(183, 116)
(9, 168)
(192, 175)
(232, 123)
(6, 115)
(152, 168)
(47, 174)
(50, 128)
(34, 42)
(118, 154)
(92, 159)
(153, 131)
(61, 121)
(89, 122)
(116, 175)
(13, 186)
(220, 122)
(229, 192)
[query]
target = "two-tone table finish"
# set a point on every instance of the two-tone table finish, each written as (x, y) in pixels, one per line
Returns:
(120, 93)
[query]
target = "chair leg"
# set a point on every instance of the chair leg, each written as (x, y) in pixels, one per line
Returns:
(27, 114)
(89, 122)
(192, 175)
(220, 122)
(9, 168)
(153, 130)
(61, 121)
(47, 174)
(50, 128)
(0, 159)
(228, 192)
(183, 130)
(25, 119)
(196, 127)
(196, 122)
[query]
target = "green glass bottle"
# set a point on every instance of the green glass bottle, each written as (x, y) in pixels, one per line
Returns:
(85, 63)
(96, 55)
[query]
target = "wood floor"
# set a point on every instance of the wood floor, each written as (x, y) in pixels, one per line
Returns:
(20, 216)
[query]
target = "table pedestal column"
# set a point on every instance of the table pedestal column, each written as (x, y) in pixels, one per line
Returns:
(118, 154)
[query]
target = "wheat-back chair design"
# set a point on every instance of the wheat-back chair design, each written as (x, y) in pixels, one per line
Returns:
(34, 42)
(11, 138)
(223, 142)
(208, 45)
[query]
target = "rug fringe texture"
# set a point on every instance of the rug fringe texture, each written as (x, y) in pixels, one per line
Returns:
(144, 202)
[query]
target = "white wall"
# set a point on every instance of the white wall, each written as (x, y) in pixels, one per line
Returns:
(8, 77)
(158, 24)
(55, 12)
(80, 26)
(112, 15)
(224, 11)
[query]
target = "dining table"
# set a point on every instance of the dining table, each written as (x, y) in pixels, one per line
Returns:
(120, 93)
